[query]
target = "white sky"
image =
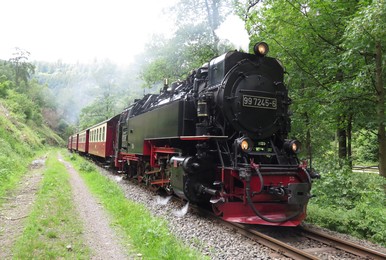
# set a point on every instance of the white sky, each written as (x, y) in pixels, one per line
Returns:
(81, 30)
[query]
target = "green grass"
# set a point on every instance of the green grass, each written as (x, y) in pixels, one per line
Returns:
(148, 235)
(53, 223)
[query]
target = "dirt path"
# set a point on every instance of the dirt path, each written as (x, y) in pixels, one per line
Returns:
(98, 235)
(18, 205)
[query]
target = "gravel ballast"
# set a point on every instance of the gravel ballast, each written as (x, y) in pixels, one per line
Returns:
(210, 238)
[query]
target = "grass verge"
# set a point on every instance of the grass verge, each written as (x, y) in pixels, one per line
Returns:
(53, 223)
(12, 169)
(149, 235)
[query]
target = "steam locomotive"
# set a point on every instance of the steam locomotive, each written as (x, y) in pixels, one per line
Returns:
(217, 138)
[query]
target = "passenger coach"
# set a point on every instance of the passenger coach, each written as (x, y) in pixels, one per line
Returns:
(101, 137)
(83, 142)
(74, 142)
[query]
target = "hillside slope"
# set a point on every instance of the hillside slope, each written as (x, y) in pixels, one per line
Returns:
(20, 142)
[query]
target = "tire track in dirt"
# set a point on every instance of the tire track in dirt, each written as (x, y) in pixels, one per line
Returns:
(98, 235)
(18, 204)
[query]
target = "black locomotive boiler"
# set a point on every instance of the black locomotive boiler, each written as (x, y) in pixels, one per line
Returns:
(217, 138)
(220, 138)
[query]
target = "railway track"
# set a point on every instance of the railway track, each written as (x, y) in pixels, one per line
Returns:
(330, 245)
(286, 241)
(346, 246)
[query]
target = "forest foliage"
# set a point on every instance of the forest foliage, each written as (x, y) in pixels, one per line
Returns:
(89, 93)
(193, 44)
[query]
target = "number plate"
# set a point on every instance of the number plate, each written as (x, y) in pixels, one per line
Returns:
(259, 102)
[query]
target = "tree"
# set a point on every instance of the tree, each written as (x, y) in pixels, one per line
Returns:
(333, 52)
(23, 69)
(308, 37)
(193, 44)
(102, 108)
(365, 39)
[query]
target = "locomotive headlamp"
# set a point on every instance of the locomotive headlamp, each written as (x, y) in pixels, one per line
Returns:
(261, 48)
(292, 146)
(245, 144)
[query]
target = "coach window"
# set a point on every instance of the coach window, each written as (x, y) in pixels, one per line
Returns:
(103, 134)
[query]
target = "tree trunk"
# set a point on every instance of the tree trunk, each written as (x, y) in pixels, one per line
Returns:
(380, 109)
(341, 131)
(342, 139)
(308, 139)
(349, 139)
(213, 14)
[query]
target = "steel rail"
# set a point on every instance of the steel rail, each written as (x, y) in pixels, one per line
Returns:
(347, 246)
(265, 240)
(275, 244)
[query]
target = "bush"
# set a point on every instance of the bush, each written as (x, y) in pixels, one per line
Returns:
(350, 203)
(366, 148)
(87, 167)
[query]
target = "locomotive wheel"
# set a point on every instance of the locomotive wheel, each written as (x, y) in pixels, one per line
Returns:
(215, 206)
(216, 210)
(169, 190)
(154, 187)
(130, 171)
(190, 191)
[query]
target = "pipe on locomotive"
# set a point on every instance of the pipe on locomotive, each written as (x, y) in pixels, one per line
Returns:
(250, 202)
(246, 145)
